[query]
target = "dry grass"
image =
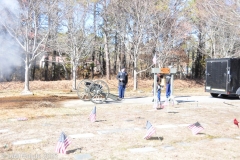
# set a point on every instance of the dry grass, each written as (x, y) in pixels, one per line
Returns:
(65, 87)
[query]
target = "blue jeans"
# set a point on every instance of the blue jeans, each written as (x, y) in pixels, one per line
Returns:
(159, 95)
(168, 90)
(121, 90)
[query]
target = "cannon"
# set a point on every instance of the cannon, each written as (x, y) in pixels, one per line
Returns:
(97, 91)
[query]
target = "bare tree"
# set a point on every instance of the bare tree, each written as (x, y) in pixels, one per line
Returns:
(76, 41)
(149, 27)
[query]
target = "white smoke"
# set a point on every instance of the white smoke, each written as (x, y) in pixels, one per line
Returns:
(10, 51)
(11, 5)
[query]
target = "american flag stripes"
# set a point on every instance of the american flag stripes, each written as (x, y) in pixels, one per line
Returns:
(92, 115)
(150, 130)
(62, 144)
(235, 121)
(196, 128)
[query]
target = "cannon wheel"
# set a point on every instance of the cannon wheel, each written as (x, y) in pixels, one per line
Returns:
(99, 91)
(83, 89)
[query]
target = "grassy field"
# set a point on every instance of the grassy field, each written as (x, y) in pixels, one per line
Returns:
(119, 130)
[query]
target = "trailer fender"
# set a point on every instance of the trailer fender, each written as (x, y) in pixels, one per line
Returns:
(238, 91)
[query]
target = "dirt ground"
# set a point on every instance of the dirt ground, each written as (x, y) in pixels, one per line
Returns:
(119, 128)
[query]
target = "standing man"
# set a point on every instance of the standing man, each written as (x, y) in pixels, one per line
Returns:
(168, 86)
(122, 82)
(158, 87)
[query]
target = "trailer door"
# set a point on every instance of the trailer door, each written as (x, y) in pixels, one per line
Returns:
(216, 76)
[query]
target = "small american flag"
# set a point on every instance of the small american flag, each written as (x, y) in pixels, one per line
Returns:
(62, 144)
(235, 121)
(195, 128)
(150, 130)
(92, 115)
(155, 59)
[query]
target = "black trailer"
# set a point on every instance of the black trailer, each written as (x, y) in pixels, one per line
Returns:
(223, 77)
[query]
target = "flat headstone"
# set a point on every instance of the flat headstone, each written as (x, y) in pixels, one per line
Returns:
(4, 130)
(47, 124)
(172, 125)
(85, 135)
(129, 120)
(138, 129)
(27, 141)
(184, 143)
(166, 126)
(151, 110)
(114, 130)
(141, 150)
(168, 147)
(82, 156)
(183, 125)
(223, 139)
(136, 111)
(22, 118)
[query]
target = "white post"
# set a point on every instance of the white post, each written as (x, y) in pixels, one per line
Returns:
(155, 71)
(171, 88)
(154, 90)
(171, 85)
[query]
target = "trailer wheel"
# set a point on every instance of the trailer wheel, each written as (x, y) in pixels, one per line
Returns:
(214, 94)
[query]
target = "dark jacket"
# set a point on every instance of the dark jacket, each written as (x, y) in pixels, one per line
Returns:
(158, 85)
(122, 78)
(168, 79)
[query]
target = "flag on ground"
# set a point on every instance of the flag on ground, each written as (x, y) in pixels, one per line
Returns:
(155, 59)
(195, 128)
(235, 121)
(92, 115)
(166, 103)
(62, 144)
(150, 130)
(161, 106)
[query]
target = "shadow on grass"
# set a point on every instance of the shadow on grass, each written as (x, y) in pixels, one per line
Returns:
(201, 134)
(173, 112)
(184, 101)
(100, 120)
(156, 138)
(73, 150)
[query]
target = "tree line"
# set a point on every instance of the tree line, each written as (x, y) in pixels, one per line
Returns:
(110, 34)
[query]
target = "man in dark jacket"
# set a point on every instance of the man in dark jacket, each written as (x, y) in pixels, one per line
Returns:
(158, 87)
(168, 86)
(122, 82)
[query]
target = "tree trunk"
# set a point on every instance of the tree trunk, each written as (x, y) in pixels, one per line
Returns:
(101, 61)
(34, 69)
(65, 73)
(74, 83)
(54, 65)
(107, 56)
(26, 81)
(46, 68)
(115, 55)
(95, 39)
(135, 74)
